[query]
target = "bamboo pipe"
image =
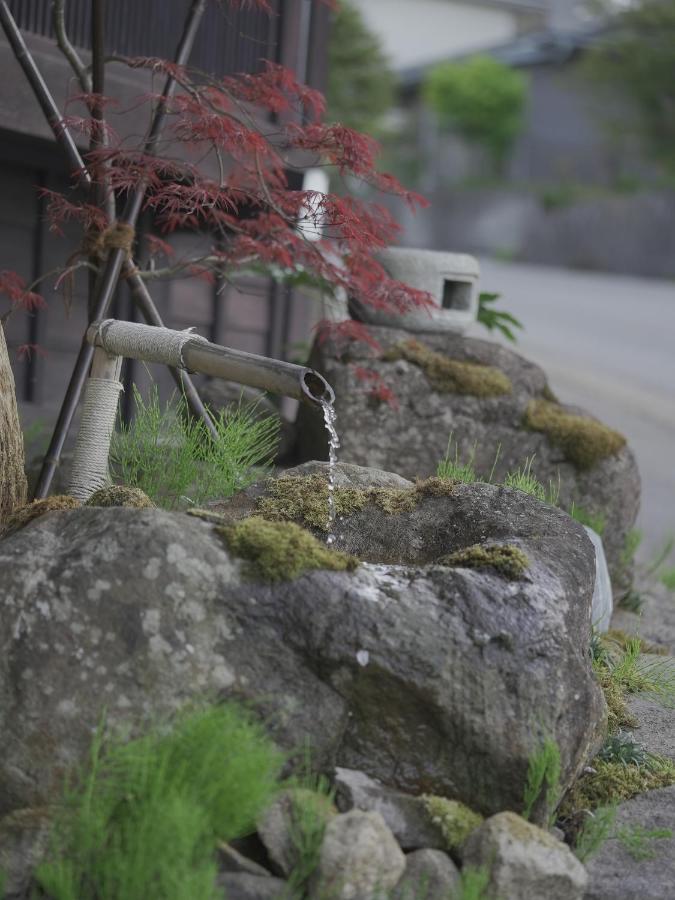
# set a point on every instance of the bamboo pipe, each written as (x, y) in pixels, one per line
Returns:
(136, 341)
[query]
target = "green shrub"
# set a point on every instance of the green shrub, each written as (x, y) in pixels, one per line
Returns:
(482, 98)
(597, 828)
(473, 883)
(524, 480)
(173, 459)
(454, 469)
(543, 776)
(146, 817)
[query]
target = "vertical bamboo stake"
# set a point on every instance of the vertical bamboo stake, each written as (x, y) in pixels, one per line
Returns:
(116, 257)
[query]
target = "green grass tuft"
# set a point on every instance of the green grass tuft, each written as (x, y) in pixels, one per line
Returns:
(173, 459)
(146, 817)
(524, 480)
(456, 470)
(543, 777)
(639, 841)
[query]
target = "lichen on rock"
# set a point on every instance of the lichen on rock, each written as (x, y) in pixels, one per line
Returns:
(25, 514)
(507, 560)
(120, 495)
(452, 376)
(583, 440)
(304, 499)
(455, 820)
(280, 551)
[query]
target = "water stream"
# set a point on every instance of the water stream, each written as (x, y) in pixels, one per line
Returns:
(330, 418)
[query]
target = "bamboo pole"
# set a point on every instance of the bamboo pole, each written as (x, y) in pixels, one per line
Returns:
(116, 258)
(63, 137)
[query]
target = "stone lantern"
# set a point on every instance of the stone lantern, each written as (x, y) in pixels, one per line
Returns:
(450, 278)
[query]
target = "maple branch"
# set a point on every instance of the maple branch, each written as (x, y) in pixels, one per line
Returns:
(64, 45)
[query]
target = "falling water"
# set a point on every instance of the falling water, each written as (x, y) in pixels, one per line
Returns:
(330, 418)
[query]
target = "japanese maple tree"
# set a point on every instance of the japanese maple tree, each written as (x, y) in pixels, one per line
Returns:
(222, 170)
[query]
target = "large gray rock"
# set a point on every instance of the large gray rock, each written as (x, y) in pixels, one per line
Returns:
(427, 677)
(615, 874)
(524, 861)
(412, 439)
(359, 858)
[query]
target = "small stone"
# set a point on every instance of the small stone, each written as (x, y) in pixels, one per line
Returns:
(231, 860)
(525, 862)
(359, 858)
(243, 886)
(429, 874)
(277, 827)
(406, 816)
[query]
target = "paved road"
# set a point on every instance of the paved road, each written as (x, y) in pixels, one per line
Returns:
(607, 343)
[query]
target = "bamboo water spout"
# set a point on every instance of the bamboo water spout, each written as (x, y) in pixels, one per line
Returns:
(186, 350)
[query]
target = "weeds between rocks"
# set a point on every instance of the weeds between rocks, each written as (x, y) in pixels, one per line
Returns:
(543, 778)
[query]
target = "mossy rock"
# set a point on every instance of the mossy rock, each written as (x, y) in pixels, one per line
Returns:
(455, 820)
(583, 440)
(280, 551)
(120, 495)
(304, 499)
(507, 560)
(25, 514)
(452, 376)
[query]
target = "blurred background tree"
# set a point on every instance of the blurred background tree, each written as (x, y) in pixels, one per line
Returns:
(482, 99)
(360, 86)
(637, 59)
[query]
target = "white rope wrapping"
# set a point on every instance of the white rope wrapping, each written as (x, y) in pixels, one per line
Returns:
(90, 462)
(147, 342)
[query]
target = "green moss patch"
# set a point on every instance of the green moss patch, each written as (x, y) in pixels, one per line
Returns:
(455, 820)
(304, 499)
(507, 560)
(610, 782)
(451, 376)
(120, 495)
(21, 516)
(280, 551)
(584, 441)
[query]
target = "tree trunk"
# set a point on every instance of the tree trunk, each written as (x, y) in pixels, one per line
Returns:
(13, 487)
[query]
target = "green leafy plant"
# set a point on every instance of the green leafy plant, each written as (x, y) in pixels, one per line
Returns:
(638, 840)
(173, 460)
(597, 828)
(146, 816)
(543, 775)
(496, 319)
(524, 480)
(622, 747)
(482, 98)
